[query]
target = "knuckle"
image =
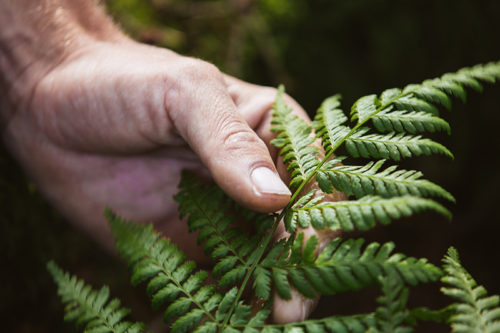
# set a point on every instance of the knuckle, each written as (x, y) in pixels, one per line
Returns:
(268, 93)
(197, 70)
(188, 78)
(238, 138)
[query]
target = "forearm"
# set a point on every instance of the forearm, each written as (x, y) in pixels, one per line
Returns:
(35, 36)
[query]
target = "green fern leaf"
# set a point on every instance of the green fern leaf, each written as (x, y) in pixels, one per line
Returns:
(255, 324)
(412, 122)
(409, 110)
(465, 79)
(262, 282)
(294, 140)
(408, 102)
(328, 123)
(241, 314)
(212, 213)
(207, 327)
(346, 265)
(449, 87)
(226, 303)
(280, 282)
(429, 94)
(364, 108)
(369, 180)
(392, 312)
(361, 214)
(474, 310)
(187, 322)
(392, 145)
(172, 279)
(389, 95)
(453, 84)
(90, 307)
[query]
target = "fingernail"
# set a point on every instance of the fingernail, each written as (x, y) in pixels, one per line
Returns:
(266, 181)
(307, 307)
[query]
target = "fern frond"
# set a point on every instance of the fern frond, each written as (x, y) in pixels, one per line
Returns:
(428, 94)
(328, 123)
(172, 279)
(212, 213)
(421, 97)
(90, 307)
(408, 121)
(392, 145)
(364, 108)
(361, 214)
(294, 140)
(409, 110)
(407, 102)
(474, 310)
(341, 266)
(392, 313)
(369, 180)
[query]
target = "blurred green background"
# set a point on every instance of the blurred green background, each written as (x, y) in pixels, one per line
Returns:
(316, 48)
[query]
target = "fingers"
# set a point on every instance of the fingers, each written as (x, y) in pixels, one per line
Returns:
(204, 114)
(298, 308)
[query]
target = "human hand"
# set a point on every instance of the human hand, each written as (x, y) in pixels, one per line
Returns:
(113, 125)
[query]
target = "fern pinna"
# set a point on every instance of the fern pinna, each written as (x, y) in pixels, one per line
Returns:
(89, 307)
(383, 128)
(473, 310)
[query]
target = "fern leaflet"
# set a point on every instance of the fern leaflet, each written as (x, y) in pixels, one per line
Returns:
(90, 307)
(392, 145)
(359, 214)
(328, 123)
(474, 310)
(213, 213)
(294, 140)
(392, 312)
(340, 266)
(368, 180)
(408, 121)
(399, 111)
(172, 279)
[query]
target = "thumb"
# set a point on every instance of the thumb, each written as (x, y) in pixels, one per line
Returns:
(205, 116)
